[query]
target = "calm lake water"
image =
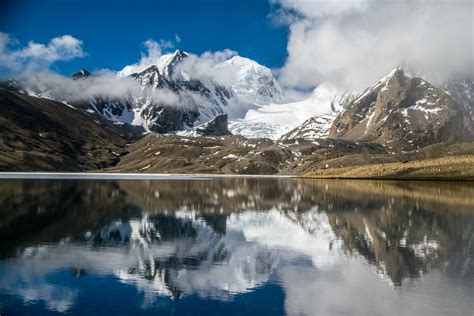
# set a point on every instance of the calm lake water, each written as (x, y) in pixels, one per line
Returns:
(236, 246)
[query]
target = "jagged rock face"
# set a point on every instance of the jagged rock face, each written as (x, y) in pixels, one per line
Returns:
(166, 119)
(169, 65)
(401, 111)
(462, 91)
(216, 127)
(151, 77)
(113, 109)
(198, 102)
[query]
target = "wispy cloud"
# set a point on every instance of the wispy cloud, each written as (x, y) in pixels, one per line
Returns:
(104, 84)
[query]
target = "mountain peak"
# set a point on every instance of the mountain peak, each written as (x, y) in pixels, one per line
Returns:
(167, 63)
(241, 60)
(403, 110)
(82, 73)
(179, 53)
(397, 72)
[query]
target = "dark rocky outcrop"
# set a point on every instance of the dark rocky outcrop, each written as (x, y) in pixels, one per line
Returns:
(216, 127)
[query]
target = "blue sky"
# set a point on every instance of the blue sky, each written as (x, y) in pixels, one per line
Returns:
(113, 31)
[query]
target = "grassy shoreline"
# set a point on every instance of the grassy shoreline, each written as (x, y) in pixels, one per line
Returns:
(454, 168)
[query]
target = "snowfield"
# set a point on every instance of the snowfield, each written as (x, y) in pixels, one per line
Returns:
(274, 120)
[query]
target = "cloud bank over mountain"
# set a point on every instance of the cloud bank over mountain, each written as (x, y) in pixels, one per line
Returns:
(349, 44)
(354, 43)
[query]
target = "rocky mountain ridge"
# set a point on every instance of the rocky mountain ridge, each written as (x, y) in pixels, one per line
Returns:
(403, 111)
(400, 111)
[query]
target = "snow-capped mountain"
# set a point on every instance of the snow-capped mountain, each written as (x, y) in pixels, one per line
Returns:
(195, 101)
(164, 64)
(403, 110)
(161, 96)
(277, 119)
(199, 99)
(165, 96)
(253, 82)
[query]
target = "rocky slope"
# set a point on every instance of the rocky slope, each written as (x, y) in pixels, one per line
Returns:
(402, 111)
(234, 155)
(41, 134)
(399, 110)
(462, 91)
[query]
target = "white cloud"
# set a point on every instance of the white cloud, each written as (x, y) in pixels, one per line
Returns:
(64, 47)
(15, 59)
(203, 67)
(353, 43)
(322, 8)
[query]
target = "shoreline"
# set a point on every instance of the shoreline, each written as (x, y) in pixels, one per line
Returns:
(454, 168)
(126, 176)
(411, 179)
(175, 176)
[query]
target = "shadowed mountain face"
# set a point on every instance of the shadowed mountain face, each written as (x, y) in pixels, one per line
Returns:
(42, 134)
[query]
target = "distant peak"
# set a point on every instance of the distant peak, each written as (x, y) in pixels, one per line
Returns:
(398, 73)
(179, 52)
(82, 73)
(399, 70)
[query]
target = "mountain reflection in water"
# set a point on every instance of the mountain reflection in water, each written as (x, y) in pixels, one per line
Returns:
(268, 246)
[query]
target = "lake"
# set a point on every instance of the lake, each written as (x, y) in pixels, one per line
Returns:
(236, 246)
